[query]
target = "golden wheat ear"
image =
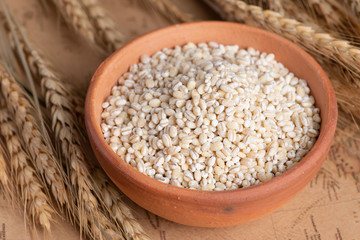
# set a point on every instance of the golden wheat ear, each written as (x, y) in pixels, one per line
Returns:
(75, 16)
(31, 189)
(107, 36)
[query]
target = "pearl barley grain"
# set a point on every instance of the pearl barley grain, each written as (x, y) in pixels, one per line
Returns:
(210, 117)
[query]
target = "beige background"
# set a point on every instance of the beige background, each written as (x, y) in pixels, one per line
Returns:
(328, 208)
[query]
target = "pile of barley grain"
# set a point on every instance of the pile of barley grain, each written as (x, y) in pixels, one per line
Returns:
(210, 117)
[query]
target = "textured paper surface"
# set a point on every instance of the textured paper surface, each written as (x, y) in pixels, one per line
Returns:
(328, 208)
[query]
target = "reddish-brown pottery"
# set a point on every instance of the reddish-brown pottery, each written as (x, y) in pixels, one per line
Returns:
(203, 208)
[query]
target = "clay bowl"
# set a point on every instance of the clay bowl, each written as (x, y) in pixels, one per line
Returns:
(195, 207)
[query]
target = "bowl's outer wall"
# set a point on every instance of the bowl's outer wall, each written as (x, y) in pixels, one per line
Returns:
(200, 208)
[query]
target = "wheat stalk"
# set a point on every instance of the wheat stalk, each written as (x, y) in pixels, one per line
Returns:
(107, 36)
(168, 10)
(338, 50)
(119, 210)
(31, 189)
(76, 17)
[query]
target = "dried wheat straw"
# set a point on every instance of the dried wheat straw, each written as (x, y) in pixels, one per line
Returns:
(76, 17)
(339, 50)
(31, 189)
(107, 36)
(119, 210)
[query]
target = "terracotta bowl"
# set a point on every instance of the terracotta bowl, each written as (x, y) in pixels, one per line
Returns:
(195, 207)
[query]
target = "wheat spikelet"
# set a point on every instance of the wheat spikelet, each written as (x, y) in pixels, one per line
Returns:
(44, 160)
(274, 5)
(119, 210)
(168, 10)
(76, 17)
(339, 50)
(292, 9)
(107, 36)
(31, 190)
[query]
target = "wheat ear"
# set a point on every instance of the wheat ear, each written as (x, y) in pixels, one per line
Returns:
(76, 17)
(65, 131)
(42, 155)
(31, 189)
(107, 36)
(339, 50)
(63, 125)
(119, 210)
(168, 10)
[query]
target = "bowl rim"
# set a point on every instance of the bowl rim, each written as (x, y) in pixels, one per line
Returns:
(235, 196)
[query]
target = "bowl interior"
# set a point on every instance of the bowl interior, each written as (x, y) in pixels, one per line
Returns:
(293, 57)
